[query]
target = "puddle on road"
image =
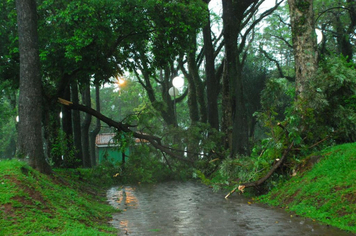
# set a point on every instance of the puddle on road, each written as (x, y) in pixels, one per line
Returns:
(122, 197)
(190, 208)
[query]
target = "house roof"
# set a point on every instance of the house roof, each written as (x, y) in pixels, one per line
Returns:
(104, 140)
(107, 139)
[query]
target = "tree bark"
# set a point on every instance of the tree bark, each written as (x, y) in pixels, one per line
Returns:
(67, 127)
(52, 125)
(77, 137)
(192, 87)
(226, 120)
(343, 32)
(196, 93)
(85, 127)
(30, 142)
(97, 128)
(67, 115)
(304, 42)
(233, 15)
(212, 83)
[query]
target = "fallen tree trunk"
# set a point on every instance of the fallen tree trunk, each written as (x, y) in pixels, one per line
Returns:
(154, 140)
(241, 187)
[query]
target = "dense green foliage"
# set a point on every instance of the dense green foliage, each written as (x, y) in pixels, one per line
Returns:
(327, 118)
(326, 192)
(331, 101)
(37, 204)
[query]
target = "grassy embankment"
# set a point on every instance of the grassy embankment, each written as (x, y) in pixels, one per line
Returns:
(36, 204)
(326, 192)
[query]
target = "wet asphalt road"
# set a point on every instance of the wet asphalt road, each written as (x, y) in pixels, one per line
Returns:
(190, 208)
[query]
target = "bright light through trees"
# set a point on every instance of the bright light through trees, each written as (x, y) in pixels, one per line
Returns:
(178, 82)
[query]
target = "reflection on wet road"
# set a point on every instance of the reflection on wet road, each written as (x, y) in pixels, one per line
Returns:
(190, 208)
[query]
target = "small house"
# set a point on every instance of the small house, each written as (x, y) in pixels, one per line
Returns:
(108, 149)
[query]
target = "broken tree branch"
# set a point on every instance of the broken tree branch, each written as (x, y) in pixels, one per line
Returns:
(241, 187)
(154, 140)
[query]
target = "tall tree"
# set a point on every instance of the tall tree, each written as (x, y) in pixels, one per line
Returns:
(235, 111)
(239, 20)
(30, 99)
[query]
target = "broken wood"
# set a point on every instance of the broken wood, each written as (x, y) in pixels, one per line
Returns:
(241, 187)
(154, 140)
(64, 102)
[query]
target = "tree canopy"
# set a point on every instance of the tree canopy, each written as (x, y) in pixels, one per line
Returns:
(257, 84)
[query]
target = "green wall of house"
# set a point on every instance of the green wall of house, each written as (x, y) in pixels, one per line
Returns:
(111, 154)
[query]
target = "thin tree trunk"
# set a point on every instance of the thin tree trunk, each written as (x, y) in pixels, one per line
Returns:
(52, 124)
(199, 85)
(192, 88)
(77, 137)
(67, 128)
(343, 39)
(85, 127)
(67, 115)
(30, 99)
(96, 130)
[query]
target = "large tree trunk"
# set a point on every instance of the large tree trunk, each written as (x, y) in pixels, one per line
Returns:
(30, 100)
(240, 136)
(77, 137)
(226, 119)
(85, 127)
(304, 42)
(169, 114)
(97, 128)
(233, 14)
(212, 83)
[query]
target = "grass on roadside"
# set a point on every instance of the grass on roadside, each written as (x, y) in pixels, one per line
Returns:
(35, 204)
(326, 193)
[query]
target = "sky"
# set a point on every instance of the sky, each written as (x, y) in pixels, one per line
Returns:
(216, 5)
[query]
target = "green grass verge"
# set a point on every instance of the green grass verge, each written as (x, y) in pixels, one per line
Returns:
(326, 193)
(35, 204)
